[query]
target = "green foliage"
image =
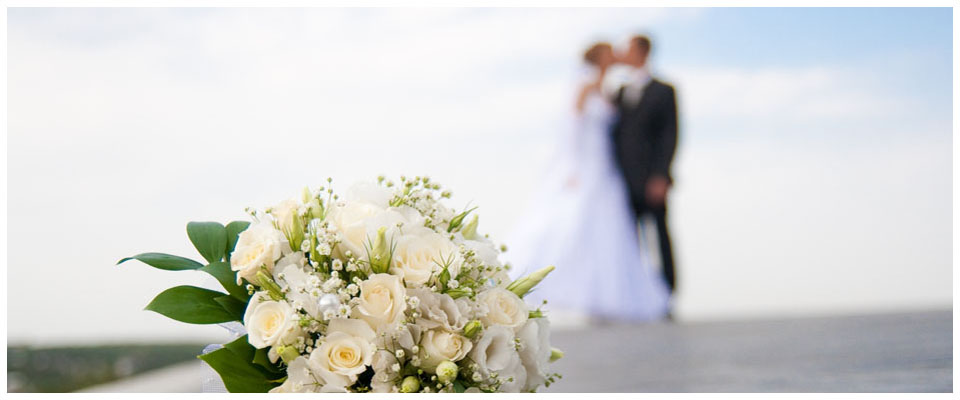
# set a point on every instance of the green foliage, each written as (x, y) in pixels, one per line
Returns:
(164, 261)
(228, 279)
(192, 305)
(444, 277)
(210, 239)
(234, 363)
(262, 359)
(233, 234)
(257, 357)
(458, 220)
(235, 307)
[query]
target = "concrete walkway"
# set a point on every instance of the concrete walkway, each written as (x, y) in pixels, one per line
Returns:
(877, 353)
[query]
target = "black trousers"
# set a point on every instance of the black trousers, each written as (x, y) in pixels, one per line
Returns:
(641, 208)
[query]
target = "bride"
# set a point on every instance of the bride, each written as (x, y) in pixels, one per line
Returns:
(582, 223)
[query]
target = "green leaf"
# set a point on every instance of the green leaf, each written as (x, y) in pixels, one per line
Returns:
(190, 304)
(227, 278)
(233, 234)
(164, 261)
(262, 359)
(242, 348)
(238, 374)
(232, 305)
(458, 386)
(258, 357)
(210, 239)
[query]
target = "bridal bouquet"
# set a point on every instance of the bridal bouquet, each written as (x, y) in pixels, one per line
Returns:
(385, 289)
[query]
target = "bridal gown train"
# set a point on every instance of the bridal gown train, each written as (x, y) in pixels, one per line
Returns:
(588, 231)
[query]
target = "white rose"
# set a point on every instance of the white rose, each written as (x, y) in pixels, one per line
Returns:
(350, 221)
(358, 223)
(346, 352)
(440, 310)
(260, 245)
(419, 254)
(439, 345)
(535, 350)
(381, 301)
(494, 352)
(362, 201)
(502, 307)
(270, 323)
(370, 193)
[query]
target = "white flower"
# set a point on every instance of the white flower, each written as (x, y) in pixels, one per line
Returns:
(439, 345)
(494, 352)
(381, 301)
(300, 379)
(439, 310)
(358, 222)
(535, 350)
(260, 245)
(383, 373)
(370, 193)
(296, 283)
(270, 323)
(502, 307)
(346, 352)
(350, 221)
(419, 254)
(501, 278)
(486, 252)
(286, 216)
(513, 377)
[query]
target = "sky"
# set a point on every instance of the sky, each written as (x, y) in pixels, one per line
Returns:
(813, 175)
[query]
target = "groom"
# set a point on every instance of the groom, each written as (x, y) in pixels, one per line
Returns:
(645, 139)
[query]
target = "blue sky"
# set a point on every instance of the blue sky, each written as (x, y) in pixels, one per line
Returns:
(809, 36)
(902, 54)
(813, 176)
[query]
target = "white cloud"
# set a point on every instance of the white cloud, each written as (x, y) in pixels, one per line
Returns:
(126, 124)
(770, 229)
(787, 95)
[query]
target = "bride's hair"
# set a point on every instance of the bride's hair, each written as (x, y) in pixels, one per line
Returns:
(592, 55)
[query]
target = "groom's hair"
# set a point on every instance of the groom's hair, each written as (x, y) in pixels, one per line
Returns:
(643, 43)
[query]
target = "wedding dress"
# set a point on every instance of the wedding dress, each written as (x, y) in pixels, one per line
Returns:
(580, 221)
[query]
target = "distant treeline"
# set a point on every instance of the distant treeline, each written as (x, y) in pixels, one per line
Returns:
(66, 369)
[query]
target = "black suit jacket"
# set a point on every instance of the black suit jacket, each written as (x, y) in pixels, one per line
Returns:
(645, 136)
